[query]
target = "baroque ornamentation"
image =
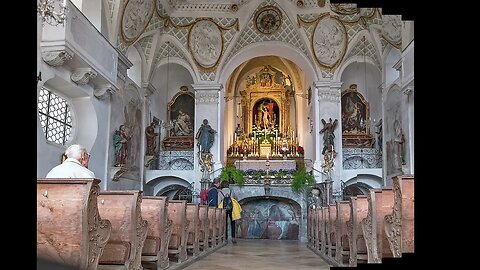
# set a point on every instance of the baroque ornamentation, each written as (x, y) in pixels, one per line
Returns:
(329, 95)
(329, 42)
(56, 58)
(205, 43)
(98, 229)
(206, 97)
(392, 29)
(82, 76)
(102, 91)
(135, 18)
(268, 20)
(393, 222)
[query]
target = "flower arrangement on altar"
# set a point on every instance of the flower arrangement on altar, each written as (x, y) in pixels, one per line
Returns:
(244, 151)
(284, 150)
(230, 150)
(300, 150)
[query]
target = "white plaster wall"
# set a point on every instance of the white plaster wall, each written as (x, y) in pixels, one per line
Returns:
(391, 74)
(135, 72)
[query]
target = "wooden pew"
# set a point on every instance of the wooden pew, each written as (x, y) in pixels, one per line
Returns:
(129, 229)
(323, 231)
(177, 212)
(203, 228)
(380, 204)
(310, 237)
(318, 230)
(356, 240)
(331, 228)
(221, 215)
(193, 228)
(399, 225)
(343, 215)
(212, 227)
(69, 228)
(155, 212)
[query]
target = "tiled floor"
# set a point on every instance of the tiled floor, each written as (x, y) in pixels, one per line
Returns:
(256, 254)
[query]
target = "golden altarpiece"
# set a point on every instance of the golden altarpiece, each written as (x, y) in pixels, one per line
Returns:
(266, 130)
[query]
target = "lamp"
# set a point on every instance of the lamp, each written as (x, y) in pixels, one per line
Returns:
(47, 11)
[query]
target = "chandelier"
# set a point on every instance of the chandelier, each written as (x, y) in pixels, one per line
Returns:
(49, 14)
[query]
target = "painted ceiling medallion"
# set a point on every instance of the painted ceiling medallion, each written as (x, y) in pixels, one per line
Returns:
(329, 41)
(205, 43)
(136, 15)
(268, 20)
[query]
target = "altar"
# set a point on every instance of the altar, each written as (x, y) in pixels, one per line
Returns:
(273, 164)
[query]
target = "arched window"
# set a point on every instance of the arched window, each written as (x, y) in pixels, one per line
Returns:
(55, 116)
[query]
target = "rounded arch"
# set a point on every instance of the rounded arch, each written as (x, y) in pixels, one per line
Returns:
(275, 48)
(365, 180)
(137, 58)
(163, 184)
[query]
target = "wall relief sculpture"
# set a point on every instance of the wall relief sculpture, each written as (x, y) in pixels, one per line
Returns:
(392, 29)
(268, 20)
(136, 15)
(329, 41)
(205, 43)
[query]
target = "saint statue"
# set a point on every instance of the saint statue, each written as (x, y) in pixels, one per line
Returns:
(205, 136)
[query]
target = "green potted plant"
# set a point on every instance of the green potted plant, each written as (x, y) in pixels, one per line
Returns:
(232, 174)
(301, 180)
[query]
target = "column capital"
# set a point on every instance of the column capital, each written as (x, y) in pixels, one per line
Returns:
(328, 91)
(207, 93)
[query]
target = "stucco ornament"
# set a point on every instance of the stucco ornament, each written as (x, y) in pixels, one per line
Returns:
(268, 20)
(329, 41)
(136, 15)
(391, 28)
(205, 43)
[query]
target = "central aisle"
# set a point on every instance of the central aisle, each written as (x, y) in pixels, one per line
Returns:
(256, 254)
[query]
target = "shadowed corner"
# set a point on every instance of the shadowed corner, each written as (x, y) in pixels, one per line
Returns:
(43, 264)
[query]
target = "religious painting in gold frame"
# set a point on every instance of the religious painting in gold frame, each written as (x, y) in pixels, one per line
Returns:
(181, 113)
(355, 119)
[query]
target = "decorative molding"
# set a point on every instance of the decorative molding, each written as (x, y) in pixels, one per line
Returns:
(82, 76)
(407, 90)
(206, 97)
(99, 230)
(56, 58)
(118, 172)
(135, 18)
(102, 91)
(393, 222)
(150, 88)
(326, 94)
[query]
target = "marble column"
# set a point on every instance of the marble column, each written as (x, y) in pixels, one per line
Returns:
(207, 106)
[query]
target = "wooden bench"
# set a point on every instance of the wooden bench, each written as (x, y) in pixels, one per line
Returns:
(356, 240)
(129, 229)
(69, 228)
(341, 232)
(399, 226)
(323, 231)
(177, 246)
(203, 228)
(380, 204)
(212, 227)
(318, 228)
(193, 228)
(312, 225)
(331, 228)
(221, 215)
(155, 212)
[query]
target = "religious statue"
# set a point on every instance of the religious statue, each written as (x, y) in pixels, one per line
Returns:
(151, 139)
(399, 149)
(182, 125)
(205, 159)
(378, 131)
(328, 135)
(120, 140)
(205, 136)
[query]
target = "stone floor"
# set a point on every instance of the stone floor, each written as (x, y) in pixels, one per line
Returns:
(256, 254)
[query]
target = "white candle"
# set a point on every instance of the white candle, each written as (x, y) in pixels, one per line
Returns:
(267, 156)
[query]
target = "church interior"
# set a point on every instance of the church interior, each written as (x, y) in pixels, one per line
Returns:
(305, 107)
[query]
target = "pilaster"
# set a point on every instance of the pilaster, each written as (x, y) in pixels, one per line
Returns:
(207, 106)
(328, 105)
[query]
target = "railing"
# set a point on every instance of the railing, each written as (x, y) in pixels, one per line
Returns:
(175, 160)
(361, 158)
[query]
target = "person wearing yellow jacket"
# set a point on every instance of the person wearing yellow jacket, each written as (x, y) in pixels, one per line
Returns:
(234, 213)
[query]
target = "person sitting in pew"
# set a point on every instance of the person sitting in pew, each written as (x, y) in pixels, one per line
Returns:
(75, 166)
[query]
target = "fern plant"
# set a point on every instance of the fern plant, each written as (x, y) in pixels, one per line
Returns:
(301, 180)
(232, 175)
